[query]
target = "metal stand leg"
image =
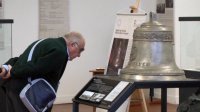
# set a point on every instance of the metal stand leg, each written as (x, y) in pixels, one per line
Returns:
(163, 99)
(151, 93)
(75, 107)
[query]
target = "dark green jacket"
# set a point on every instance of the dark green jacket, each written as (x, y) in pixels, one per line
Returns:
(49, 60)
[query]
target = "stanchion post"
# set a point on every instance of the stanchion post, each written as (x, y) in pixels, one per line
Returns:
(75, 107)
(163, 99)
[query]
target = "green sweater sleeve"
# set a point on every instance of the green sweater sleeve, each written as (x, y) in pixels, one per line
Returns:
(11, 61)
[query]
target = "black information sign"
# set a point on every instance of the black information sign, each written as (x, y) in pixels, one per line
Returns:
(101, 92)
(97, 90)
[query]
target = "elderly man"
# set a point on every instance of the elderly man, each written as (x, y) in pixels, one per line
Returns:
(49, 60)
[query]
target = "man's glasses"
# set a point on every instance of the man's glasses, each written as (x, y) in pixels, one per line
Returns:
(80, 49)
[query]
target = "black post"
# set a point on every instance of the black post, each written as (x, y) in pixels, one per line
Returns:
(75, 107)
(151, 94)
(163, 99)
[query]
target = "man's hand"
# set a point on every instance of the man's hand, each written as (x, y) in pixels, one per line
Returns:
(5, 74)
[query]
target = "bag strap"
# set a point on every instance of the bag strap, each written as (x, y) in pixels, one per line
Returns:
(32, 49)
(30, 55)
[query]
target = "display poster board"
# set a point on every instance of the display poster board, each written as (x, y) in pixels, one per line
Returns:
(121, 43)
(101, 92)
(53, 18)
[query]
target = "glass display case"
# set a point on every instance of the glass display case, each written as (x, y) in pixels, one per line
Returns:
(5, 40)
(189, 52)
(190, 43)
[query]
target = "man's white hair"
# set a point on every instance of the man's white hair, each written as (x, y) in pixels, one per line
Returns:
(74, 37)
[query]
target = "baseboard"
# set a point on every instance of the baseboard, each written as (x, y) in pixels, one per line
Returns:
(63, 99)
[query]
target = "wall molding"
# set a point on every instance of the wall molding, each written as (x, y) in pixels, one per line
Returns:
(61, 99)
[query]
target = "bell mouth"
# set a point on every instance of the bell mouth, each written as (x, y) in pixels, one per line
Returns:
(150, 78)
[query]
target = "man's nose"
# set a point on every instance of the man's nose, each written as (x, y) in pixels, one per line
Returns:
(79, 55)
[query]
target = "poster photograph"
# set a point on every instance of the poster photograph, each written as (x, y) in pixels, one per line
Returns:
(160, 6)
(117, 56)
(86, 95)
(169, 3)
(165, 12)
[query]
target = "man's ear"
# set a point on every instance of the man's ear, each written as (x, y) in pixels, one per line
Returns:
(73, 44)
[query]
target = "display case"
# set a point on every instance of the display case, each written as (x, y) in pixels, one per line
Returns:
(190, 43)
(5, 39)
(189, 52)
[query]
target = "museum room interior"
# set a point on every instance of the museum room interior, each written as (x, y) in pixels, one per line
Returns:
(116, 34)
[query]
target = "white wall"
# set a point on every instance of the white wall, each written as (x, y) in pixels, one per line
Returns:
(25, 27)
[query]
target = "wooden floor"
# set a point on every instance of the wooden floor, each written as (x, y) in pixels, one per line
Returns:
(152, 107)
(68, 108)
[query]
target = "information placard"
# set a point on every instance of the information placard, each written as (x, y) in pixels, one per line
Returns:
(102, 92)
(116, 91)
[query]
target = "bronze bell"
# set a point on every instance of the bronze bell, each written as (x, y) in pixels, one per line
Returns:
(152, 51)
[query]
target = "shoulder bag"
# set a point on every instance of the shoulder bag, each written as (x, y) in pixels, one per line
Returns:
(38, 95)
